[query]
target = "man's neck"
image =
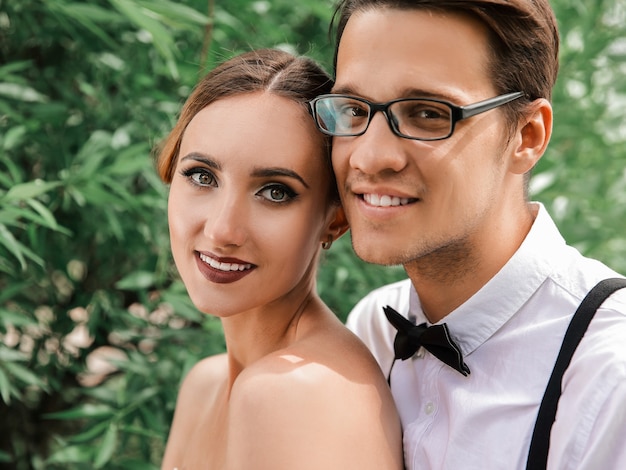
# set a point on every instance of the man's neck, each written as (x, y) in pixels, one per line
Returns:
(448, 277)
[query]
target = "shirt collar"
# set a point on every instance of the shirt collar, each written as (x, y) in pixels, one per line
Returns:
(476, 320)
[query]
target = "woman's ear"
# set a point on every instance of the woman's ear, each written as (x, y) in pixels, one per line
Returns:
(533, 137)
(338, 223)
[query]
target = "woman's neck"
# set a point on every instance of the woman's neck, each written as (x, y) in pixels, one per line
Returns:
(253, 335)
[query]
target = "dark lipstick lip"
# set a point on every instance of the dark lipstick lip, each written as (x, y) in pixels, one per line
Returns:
(220, 259)
(221, 277)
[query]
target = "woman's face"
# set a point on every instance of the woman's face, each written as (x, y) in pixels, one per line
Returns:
(248, 204)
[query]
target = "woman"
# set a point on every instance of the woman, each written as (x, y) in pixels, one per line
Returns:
(252, 200)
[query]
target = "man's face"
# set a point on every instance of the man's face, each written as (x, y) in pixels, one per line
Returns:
(406, 199)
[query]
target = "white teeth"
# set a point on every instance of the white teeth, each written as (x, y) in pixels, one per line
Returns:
(224, 266)
(384, 200)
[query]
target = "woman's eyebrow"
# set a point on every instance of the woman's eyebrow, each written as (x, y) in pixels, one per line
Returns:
(199, 157)
(278, 171)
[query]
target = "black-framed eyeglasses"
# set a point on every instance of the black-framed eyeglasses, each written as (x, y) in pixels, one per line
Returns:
(411, 118)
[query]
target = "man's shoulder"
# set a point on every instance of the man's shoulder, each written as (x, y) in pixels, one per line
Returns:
(606, 333)
(600, 358)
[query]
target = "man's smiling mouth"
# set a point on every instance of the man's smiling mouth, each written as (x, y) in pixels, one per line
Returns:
(383, 200)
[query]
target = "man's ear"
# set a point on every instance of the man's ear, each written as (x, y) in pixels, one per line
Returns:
(338, 224)
(533, 137)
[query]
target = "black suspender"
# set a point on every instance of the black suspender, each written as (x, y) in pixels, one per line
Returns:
(540, 442)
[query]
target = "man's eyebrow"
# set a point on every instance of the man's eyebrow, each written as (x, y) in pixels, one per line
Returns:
(278, 171)
(199, 157)
(344, 90)
(409, 92)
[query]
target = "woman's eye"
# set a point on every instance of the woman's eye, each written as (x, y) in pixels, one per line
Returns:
(277, 193)
(200, 177)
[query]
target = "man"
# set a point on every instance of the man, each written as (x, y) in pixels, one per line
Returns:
(439, 185)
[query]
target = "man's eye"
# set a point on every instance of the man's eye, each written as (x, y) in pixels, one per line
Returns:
(432, 114)
(425, 112)
(354, 110)
(358, 111)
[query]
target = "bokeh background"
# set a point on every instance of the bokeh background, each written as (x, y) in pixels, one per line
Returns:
(96, 331)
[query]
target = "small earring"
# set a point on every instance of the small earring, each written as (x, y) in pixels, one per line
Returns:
(326, 245)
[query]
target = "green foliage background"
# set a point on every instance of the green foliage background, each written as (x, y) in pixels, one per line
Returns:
(87, 88)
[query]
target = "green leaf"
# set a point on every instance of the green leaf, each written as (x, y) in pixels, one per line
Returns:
(154, 433)
(17, 249)
(25, 375)
(93, 432)
(98, 195)
(135, 464)
(17, 216)
(13, 67)
(143, 18)
(145, 395)
(15, 171)
(150, 420)
(88, 16)
(21, 93)
(11, 355)
(131, 160)
(29, 190)
(86, 410)
(71, 454)
(182, 305)
(6, 389)
(47, 216)
(137, 280)
(107, 447)
(175, 11)
(93, 153)
(13, 137)
(9, 317)
(5, 458)
(7, 293)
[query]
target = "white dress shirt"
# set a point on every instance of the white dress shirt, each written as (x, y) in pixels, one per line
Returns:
(510, 333)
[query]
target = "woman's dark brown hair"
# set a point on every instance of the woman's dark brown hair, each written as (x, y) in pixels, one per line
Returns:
(297, 78)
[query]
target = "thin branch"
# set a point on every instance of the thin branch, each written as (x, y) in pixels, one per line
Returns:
(208, 34)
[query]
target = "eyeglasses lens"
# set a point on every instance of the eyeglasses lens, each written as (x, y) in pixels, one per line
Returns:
(422, 119)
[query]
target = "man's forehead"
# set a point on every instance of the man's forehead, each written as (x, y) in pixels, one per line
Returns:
(388, 54)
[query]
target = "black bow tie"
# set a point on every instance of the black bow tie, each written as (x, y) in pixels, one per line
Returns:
(436, 339)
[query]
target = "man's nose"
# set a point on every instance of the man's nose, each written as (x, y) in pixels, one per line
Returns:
(378, 149)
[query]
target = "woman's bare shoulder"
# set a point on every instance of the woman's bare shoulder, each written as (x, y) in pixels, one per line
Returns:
(325, 400)
(201, 385)
(207, 371)
(198, 398)
(334, 361)
(204, 377)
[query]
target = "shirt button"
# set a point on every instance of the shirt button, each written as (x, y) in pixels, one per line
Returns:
(429, 408)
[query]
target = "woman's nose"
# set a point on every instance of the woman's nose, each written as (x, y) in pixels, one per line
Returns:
(226, 222)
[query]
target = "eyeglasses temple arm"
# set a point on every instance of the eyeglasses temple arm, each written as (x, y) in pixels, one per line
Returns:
(485, 105)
